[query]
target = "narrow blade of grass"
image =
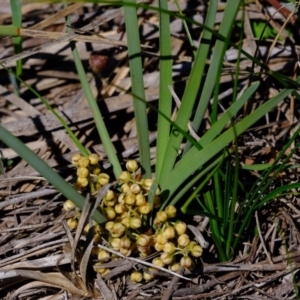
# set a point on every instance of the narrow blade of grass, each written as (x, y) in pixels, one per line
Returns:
(165, 103)
(42, 168)
(137, 83)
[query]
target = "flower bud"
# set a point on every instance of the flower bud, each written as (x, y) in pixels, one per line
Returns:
(121, 198)
(136, 276)
(158, 262)
(109, 225)
(197, 251)
(135, 223)
(145, 209)
(174, 266)
(187, 262)
(103, 178)
(146, 183)
(180, 227)
(125, 252)
(140, 200)
(72, 223)
(125, 177)
(129, 199)
(82, 182)
(162, 216)
(159, 238)
(169, 232)
(109, 195)
(143, 240)
(75, 159)
(83, 162)
(117, 230)
(166, 258)
(68, 205)
(115, 243)
(111, 203)
(120, 208)
(158, 247)
(169, 248)
(125, 188)
(147, 276)
(131, 166)
(125, 242)
(171, 211)
(95, 170)
(103, 254)
(94, 158)
(109, 213)
(135, 188)
(126, 221)
(183, 240)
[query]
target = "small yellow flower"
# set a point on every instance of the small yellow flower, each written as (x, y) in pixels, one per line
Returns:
(82, 172)
(125, 242)
(129, 199)
(171, 211)
(157, 261)
(146, 183)
(82, 182)
(110, 195)
(125, 252)
(120, 208)
(187, 262)
(174, 266)
(145, 209)
(159, 238)
(68, 205)
(131, 166)
(94, 158)
(72, 223)
(125, 176)
(159, 247)
(143, 240)
(162, 216)
(135, 188)
(115, 243)
(109, 225)
(135, 223)
(110, 213)
(95, 170)
(166, 258)
(125, 188)
(140, 200)
(197, 251)
(169, 232)
(117, 230)
(136, 276)
(83, 162)
(103, 178)
(147, 276)
(75, 159)
(169, 248)
(180, 227)
(183, 240)
(103, 254)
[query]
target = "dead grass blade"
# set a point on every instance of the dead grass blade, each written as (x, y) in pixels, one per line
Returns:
(54, 279)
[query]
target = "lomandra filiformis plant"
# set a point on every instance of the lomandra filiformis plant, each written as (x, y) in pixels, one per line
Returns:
(129, 228)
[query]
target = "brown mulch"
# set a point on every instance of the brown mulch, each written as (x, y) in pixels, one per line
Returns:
(39, 257)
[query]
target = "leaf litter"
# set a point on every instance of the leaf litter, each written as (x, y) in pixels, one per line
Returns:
(40, 257)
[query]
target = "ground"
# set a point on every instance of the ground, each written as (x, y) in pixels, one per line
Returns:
(36, 248)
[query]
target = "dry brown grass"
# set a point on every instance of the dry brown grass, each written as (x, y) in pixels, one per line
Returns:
(40, 257)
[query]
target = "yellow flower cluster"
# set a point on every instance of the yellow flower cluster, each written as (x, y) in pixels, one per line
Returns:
(127, 229)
